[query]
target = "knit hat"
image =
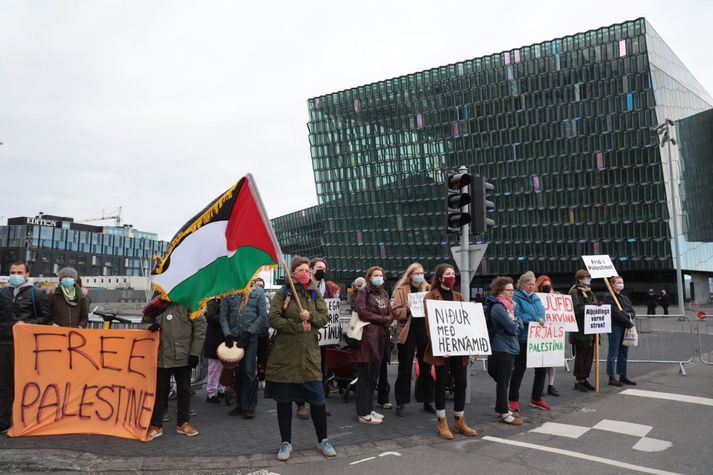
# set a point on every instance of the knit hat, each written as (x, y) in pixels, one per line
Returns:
(68, 272)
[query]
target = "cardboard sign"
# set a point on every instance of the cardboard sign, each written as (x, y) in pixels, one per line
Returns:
(599, 266)
(545, 345)
(332, 331)
(80, 381)
(415, 300)
(559, 309)
(597, 319)
(457, 328)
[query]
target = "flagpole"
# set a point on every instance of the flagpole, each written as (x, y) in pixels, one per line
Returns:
(292, 285)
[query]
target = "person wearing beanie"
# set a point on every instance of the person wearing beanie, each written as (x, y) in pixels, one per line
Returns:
(68, 304)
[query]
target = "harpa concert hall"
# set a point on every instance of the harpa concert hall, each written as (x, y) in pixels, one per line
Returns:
(564, 129)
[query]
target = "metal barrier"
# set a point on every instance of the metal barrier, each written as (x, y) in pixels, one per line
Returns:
(704, 329)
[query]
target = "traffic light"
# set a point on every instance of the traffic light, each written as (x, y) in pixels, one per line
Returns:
(480, 189)
(457, 197)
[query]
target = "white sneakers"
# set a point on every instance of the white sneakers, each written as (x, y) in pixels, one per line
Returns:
(373, 418)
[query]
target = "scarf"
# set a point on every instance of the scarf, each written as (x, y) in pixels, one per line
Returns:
(508, 303)
(70, 294)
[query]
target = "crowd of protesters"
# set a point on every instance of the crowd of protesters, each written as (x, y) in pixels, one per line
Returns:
(281, 354)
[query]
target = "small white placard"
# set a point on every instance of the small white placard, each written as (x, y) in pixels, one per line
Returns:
(415, 300)
(332, 331)
(597, 319)
(599, 266)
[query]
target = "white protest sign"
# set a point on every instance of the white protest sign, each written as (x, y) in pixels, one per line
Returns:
(559, 309)
(415, 300)
(597, 319)
(545, 345)
(457, 328)
(331, 332)
(599, 266)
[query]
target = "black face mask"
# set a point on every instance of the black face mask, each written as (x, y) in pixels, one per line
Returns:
(320, 275)
(546, 288)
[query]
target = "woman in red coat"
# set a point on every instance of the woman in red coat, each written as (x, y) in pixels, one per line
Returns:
(442, 289)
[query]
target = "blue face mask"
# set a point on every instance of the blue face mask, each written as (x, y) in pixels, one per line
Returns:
(377, 281)
(17, 279)
(67, 282)
(417, 278)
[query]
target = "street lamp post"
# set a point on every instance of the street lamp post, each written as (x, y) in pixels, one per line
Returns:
(663, 134)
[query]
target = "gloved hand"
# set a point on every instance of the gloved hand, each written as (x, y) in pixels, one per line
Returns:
(243, 340)
(229, 341)
(154, 327)
(192, 361)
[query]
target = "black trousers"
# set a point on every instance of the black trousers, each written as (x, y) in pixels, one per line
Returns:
(454, 366)
(417, 340)
(367, 373)
(500, 367)
(538, 386)
(383, 388)
(182, 375)
(7, 384)
(583, 359)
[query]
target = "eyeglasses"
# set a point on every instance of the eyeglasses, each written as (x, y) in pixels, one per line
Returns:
(508, 290)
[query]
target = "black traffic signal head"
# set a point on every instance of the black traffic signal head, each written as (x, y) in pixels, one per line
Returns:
(480, 190)
(457, 197)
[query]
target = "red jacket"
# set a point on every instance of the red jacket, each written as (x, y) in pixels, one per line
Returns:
(373, 306)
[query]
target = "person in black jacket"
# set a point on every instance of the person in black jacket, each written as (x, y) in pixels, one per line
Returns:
(664, 301)
(651, 302)
(213, 338)
(620, 320)
(20, 302)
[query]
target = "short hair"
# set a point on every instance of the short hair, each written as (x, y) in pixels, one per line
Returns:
(21, 263)
(260, 279)
(297, 261)
(617, 277)
(526, 277)
(498, 284)
(315, 260)
(581, 274)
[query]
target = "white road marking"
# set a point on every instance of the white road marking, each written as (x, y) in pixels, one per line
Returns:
(562, 430)
(704, 401)
(396, 454)
(362, 460)
(647, 444)
(591, 458)
(621, 427)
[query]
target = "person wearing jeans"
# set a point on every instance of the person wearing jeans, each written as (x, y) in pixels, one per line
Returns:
(618, 354)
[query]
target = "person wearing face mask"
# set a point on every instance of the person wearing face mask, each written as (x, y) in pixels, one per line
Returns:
(618, 354)
(582, 295)
(293, 368)
(374, 307)
(529, 310)
(444, 279)
(544, 285)
(20, 302)
(411, 336)
(70, 307)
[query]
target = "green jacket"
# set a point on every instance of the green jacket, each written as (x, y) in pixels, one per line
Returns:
(295, 357)
(180, 336)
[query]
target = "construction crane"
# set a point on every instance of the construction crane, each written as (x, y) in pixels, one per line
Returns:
(104, 214)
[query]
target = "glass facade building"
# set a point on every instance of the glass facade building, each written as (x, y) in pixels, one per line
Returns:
(562, 128)
(48, 243)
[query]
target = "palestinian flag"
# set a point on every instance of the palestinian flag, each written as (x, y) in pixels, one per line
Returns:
(219, 251)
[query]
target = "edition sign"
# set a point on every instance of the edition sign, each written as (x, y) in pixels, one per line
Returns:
(79, 381)
(457, 328)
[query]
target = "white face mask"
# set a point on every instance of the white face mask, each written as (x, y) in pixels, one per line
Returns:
(619, 286)
(587, 282)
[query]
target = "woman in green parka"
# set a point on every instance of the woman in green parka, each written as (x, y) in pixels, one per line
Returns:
(294, 371)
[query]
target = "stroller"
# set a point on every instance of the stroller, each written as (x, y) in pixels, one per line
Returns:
(341, 362)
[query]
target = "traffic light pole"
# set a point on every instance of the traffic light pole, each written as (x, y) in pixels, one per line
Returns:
(465, 274)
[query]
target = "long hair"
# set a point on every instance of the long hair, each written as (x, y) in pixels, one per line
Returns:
(438, 273)
(406, 277)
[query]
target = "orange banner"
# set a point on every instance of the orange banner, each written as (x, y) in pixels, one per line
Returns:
(79, 381)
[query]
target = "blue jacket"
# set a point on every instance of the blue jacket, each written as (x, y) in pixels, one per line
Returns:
(250, 318)
(505, 329)
(528, 309)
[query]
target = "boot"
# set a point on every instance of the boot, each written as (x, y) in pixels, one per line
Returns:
(614, 382)
(443, 429)
(462, 426)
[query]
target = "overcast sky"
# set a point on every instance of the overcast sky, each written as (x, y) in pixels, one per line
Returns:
(159, 106)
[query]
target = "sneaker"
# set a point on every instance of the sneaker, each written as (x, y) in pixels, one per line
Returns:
(212, 400)
(508, 418)
(370, 420)
(581, 387)
(192, 412)
(613, 382)
(377, 415)
(539, 404)
(187, 429)
(514, 406)
(153, 433)
(627, 381)
(248, 414)
(284, 453)
(261, 385)
(588, 385)
(428, 407)
(552, 391)
(387, 405)
(166, 417)
(326, 448)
